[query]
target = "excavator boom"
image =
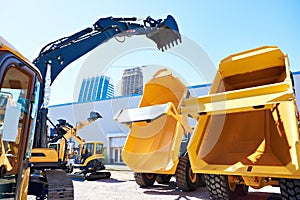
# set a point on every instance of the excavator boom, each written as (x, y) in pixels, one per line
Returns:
(64, 51)
(57, 55)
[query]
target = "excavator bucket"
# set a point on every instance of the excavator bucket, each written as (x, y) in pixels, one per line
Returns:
(167, 33)
(248, 124)
(156, 128)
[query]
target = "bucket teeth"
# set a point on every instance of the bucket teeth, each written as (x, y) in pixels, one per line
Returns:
(165, 44)
(168, 45)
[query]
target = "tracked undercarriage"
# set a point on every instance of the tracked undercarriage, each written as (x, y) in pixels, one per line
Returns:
(51, 184)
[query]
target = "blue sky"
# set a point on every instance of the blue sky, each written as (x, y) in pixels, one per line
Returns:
(219, 27)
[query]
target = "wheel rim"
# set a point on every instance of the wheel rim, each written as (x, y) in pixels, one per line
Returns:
(149, 176)
(193, 177)
(231, 183)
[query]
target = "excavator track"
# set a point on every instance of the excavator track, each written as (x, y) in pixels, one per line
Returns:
(60, 186)
(97, 175)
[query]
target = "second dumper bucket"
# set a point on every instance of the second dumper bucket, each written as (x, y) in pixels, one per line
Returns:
(156, 128)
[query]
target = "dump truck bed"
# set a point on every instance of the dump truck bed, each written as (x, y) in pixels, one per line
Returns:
(156, 128)
(248, 123)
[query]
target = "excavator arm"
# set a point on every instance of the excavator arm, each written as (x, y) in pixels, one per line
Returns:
(64, 51)
(57, 55)
(65, 131)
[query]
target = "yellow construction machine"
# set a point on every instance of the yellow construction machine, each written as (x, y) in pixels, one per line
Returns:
(63, 132)
(247, 132)
(91, 161)
(152, 148)
(24, 99)
(90, 158)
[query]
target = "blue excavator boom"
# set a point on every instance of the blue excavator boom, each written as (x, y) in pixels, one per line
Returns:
(57, 55)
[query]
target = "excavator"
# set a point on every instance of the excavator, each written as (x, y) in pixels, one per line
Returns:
(91, 162)
(90, 156)
(24, 97)
(63, 131)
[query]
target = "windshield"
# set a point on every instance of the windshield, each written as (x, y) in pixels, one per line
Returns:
(13, 111)
(17, 85)
(88, 149)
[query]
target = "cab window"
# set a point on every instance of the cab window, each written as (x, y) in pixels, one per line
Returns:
(17, 84)
(99, 148)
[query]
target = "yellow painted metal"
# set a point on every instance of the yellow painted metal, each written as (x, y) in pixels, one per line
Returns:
(153, 146)
(259, 182)
(4, 160)
(43, 155)
(71, 132)
(94, 155)
(24, 185)
(232, 183)
(252, 60)
(249, 99)
(6, 46)
(248, 124)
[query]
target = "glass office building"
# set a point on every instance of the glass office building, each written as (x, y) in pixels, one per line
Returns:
(96, 88)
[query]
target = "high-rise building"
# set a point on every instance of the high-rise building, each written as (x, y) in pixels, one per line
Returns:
(96, 88)
(132, 81)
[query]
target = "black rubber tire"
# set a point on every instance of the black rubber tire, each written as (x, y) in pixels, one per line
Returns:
(201, 182)
(218, 188)
(144, 179)
(185, 178)
(290, 189)
(163, 178)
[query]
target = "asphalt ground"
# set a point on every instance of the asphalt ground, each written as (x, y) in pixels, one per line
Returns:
(122, 185)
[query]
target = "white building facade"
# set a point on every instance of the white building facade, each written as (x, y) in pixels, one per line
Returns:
(112, 133)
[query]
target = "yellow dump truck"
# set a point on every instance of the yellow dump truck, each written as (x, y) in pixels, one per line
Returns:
(152, 148)
(247, 132)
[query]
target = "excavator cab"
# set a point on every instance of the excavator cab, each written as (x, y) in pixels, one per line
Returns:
(91, 153)
(18, 85)
(91, 161)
